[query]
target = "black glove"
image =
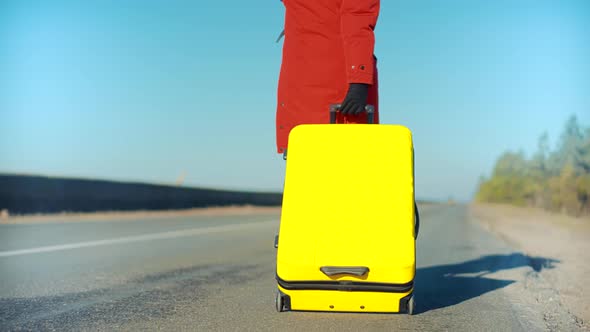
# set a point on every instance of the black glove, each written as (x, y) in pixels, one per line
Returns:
(356, 99)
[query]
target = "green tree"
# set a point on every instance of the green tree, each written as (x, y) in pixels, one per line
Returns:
(509, 182)
(583, 153)
(538, 172)
(557, 180)
(568, 149)
(583, 180)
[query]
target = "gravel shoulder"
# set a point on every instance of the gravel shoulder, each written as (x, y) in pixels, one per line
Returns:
(541, 234)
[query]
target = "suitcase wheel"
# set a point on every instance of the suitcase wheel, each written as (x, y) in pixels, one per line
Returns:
(411, 305)
(280, 302)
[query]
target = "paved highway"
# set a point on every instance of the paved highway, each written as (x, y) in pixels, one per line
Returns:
(216, 273)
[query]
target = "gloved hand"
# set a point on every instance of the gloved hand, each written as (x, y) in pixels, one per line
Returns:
(356, 99)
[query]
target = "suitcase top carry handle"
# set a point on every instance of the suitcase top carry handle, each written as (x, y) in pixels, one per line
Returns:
(358, 271)
(334, 108)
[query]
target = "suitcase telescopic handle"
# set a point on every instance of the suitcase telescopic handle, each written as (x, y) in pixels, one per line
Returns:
(335, 108)
(358, 271)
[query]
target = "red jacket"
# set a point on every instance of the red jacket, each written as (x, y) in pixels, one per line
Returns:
(328, 44)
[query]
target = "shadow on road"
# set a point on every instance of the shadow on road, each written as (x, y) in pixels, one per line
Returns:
(446, 285)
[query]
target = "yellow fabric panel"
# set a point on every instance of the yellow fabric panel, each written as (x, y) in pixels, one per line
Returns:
(348, 201)
(316, 300)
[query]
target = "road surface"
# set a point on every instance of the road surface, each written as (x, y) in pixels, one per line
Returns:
(216, 273)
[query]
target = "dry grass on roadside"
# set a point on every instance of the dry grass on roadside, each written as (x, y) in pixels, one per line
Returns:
(131, 215)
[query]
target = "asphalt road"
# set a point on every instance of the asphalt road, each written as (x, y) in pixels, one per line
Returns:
(217, 274)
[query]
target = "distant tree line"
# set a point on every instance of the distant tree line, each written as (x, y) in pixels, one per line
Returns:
(556, 180)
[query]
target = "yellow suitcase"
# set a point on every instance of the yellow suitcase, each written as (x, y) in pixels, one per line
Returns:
(347, 232)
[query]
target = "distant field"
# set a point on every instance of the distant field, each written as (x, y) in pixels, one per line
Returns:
(21, 194)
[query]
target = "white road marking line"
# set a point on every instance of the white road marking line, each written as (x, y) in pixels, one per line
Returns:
(139, 238)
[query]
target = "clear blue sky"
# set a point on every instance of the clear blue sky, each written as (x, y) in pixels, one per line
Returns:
(147, 90)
